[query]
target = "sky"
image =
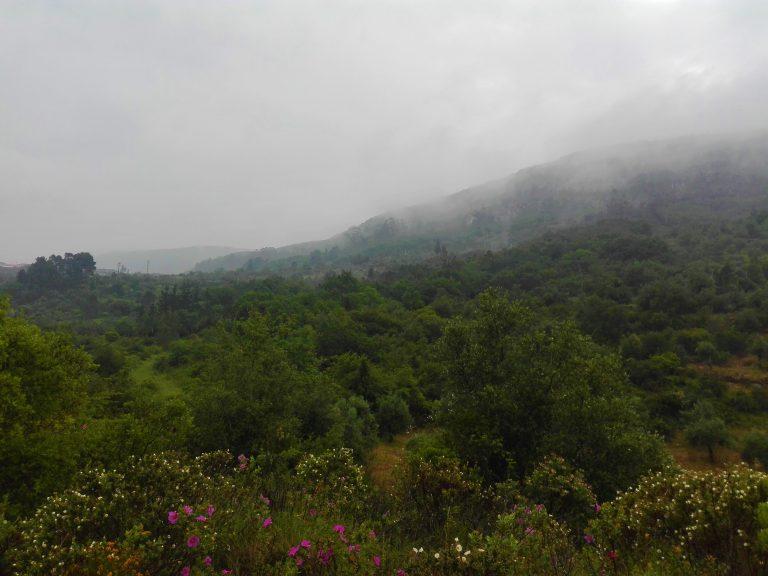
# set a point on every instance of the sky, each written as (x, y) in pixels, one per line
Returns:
(143, 124)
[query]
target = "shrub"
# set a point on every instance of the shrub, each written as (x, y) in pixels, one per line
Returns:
(563, 491)
(125, 510)
(756, 448)
(333, 480)
(439, 496)
(700, 513)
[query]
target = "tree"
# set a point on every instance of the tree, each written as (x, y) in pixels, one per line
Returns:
(43, 381)
(706, 429)
(518, 390)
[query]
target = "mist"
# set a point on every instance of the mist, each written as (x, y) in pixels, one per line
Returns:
(156, 124)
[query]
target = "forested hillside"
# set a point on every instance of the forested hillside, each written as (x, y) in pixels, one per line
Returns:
(666, 181)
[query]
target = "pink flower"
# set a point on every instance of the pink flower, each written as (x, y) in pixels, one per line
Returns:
(377, 561)
(299, 561)
(293, 551)
(312, 512)
(266, 500)
(589, 539)
(325, 555)
(401, 572)
(210, 510)
(597, 507)
(193, 541)
(354, 548)
(208, 561)
(372, 535)
(529, 531)
(225, 571)
(267, 523)
(173, 517)
(306, 544)
(185, 571)
(243, 462)
(613, 554)
(188, 510)
(339, 529)
(202, 518)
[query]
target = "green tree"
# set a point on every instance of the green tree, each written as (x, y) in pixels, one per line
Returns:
(518, 390)
(43, 381)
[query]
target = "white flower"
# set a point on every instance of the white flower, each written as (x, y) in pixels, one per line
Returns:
(437, 555)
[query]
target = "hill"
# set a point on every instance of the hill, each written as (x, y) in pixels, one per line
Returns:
(685, 178)
(161, 261)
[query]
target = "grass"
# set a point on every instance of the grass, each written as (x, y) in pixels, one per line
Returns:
(385, 458)
(143, 372)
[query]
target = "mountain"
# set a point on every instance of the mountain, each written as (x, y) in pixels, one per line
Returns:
(161, 261)
(684, 178)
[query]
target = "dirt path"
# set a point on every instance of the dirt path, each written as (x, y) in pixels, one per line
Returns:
(384, 459)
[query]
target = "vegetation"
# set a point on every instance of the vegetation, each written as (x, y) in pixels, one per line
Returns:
(534, 398)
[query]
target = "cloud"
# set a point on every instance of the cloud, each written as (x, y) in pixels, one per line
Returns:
(140, 124)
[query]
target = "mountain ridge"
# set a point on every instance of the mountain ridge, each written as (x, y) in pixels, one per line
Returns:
(660, 177)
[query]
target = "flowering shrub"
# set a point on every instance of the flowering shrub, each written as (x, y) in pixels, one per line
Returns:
(122, 512)
(530, 541)
(438, 496)
(563, 491)
(694, 514)
(333, 480)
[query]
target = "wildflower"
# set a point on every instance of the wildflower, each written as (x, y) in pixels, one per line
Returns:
(193, 541)
(377, 561)
(529, 531)
(267, 523)
(437, 555)
(243, 462)
(339, 529)
(185, 571)
(202, 518)
(306, 544)
(173, 517)
(266, 500)
(401, 572)
(208, 561)
(312, 512)
(325, 555)
(613, 555)
(299, 561)
(210, 510)
(372, 534)
(293, 551)
(598, 507)
(354, 548)
(589, 539)
(188, 510)
(225, 572)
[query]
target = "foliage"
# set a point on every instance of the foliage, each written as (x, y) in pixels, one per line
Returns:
(518, 391)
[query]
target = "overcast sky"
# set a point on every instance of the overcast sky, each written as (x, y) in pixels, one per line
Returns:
(154, 124)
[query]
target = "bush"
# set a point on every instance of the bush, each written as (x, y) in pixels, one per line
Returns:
(393, 416)
(439, 496)
(126, 511)
(702, 514)
(563, 491)
(333, 481)
(756, 448)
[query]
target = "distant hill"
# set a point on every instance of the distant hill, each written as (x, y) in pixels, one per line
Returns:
(161, 261)
(8, 272)
(696, 177)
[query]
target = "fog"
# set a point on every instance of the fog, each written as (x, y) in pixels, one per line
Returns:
(156, 124)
